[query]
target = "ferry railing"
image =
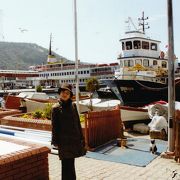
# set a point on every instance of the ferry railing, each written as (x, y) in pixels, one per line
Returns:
(67, 67)
(101, 73)
(160, 79)
(102, 127)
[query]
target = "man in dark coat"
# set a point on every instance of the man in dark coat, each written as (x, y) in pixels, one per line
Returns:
(66, 132)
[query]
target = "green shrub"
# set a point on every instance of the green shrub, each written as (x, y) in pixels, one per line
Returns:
(37, 114)
(47, 111)
(82, 118)
(40, 114)
(25, 116)
(39, 88)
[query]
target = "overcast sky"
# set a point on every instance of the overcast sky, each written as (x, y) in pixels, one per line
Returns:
(101, 23)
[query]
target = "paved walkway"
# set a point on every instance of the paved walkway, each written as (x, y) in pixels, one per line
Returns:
(91, 169)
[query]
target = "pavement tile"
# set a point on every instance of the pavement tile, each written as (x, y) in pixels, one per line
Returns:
(92, 169)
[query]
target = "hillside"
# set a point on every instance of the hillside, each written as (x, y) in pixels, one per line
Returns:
(22, 55)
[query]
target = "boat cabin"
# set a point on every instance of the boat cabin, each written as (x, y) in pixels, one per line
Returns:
(136, 44)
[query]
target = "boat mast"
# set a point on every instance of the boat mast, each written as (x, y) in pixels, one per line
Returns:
(171, 79)
(50, 52)
(142, 22)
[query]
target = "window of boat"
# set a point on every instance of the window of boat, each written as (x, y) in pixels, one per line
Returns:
(126, 89)
(128, 63)
(128, 45)
(137, 44)
(146, 62)
(154, 63)
(154, 46)
(145, 45)
(138, 61)
(123, 46)
(164, 64)
(121, 63)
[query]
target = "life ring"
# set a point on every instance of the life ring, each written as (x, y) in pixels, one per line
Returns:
(162, 54)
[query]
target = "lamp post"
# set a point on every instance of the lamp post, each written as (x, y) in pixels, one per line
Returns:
(76, 55)
(171, 79)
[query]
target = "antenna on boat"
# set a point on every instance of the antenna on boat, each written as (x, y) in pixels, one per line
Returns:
(130, 21)
(51, 57)
(50, 52)
(142, 22)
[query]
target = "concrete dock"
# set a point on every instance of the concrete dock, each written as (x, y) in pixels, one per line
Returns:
(92, 169)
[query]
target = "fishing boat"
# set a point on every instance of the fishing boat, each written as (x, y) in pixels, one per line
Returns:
(142, 77)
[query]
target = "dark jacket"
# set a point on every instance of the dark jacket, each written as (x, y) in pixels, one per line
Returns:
(66, 130)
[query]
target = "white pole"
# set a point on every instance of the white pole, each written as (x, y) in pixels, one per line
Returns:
(76, 55)
(171, 79)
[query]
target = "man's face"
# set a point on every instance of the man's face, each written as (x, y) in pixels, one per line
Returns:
(65, 95)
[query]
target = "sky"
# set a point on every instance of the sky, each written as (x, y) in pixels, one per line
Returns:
(101, 23)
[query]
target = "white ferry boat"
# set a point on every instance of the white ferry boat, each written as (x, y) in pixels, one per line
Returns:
(57, 72)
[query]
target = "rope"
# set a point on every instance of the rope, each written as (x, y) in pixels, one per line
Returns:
(155, 89)
(150, 88)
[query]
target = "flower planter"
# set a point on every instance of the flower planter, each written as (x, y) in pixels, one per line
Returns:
(18, 121)
(6, 112)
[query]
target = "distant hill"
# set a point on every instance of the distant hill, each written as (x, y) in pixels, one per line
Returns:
(22, 55)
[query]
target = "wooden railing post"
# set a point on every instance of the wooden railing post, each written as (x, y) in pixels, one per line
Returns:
(86, 131)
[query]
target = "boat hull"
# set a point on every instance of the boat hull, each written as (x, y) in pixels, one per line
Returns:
(133, 114)
(140, 93)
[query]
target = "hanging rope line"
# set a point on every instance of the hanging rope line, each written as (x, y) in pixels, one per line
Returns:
(155, 89)
(151, 88)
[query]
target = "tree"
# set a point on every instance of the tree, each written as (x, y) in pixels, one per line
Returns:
(39, 88)
(92, 85)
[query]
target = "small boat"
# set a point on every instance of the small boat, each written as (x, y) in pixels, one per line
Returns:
(106, 93)
(19, 101)
(127, 113)
(97, 104)
(133, 113)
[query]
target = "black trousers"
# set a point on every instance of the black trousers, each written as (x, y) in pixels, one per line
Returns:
(68, 169)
